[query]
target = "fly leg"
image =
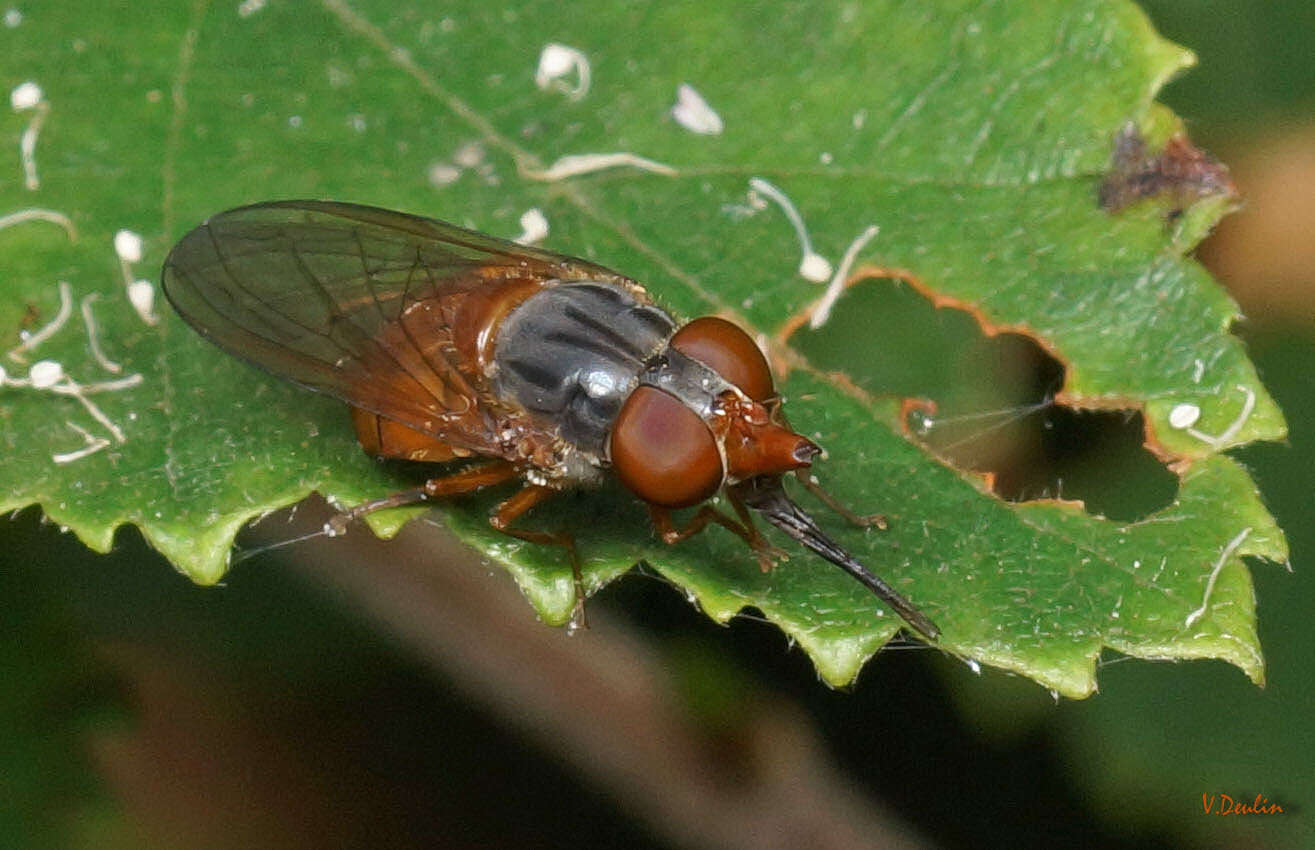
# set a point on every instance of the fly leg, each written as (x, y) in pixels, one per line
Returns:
(809, 482)
(861, 520)
(759, 543)
(467, 480)
(766, 553)
(512, 509)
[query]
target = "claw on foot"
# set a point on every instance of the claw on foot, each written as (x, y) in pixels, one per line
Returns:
(877, 521)
(768, 555)
(578, 619)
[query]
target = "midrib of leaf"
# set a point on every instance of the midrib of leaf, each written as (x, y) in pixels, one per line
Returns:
(178, 97)
(688, 172)
(168, 178)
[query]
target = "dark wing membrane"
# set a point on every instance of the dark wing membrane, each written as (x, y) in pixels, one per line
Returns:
(315, 292)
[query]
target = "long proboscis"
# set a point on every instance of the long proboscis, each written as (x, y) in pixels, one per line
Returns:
(767, 496)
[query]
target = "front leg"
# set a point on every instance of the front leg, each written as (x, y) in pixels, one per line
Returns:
(766, 553)
(809, 482)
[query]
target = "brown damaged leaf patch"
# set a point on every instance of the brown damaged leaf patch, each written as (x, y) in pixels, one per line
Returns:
(1179, 175)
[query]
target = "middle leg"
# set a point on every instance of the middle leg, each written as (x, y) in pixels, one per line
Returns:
(512, 509)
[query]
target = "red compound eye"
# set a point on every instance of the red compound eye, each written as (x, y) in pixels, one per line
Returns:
(663, 451)
(728, 351)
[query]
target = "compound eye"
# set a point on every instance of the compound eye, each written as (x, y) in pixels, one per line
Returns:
(663, 451)
(728, 351)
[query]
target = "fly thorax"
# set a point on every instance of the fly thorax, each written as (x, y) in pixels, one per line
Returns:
(570, 355)
(697, 385)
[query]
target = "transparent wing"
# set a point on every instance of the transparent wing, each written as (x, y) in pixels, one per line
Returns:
(353, 301)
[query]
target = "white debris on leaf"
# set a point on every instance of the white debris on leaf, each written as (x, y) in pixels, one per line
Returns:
(754, 204)
(113, 386)
(44, 374)
(443, 174)
(694, 114)
(37, 214)
(25, 96)
(534, 227)
(69, 387)
(822, 311)
(93, 336)
(1228, 550)
(92, 445)
(1222, 440)
(141, 294)
(574, 165)
(49, 376)
(558, 62)
(32, 340)
(1184, 416)
(247, 8)
(469, 155)
(128, 245)
(13, 18)
(28, 96)
(812, 266)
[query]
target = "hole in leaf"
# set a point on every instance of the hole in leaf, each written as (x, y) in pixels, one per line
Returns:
(991, 397)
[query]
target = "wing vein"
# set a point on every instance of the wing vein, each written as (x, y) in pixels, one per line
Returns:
(341, 319)
(237, 281)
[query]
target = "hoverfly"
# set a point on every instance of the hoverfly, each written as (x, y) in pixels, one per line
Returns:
(451, 344)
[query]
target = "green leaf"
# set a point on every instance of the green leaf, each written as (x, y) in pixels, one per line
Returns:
(974, 134)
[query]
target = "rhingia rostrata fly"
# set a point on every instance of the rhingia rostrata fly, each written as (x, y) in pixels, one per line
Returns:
(449, 344)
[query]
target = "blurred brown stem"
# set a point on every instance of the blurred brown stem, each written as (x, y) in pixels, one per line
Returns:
(601, 701)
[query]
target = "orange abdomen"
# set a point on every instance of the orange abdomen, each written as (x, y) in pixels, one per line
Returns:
(383, 437)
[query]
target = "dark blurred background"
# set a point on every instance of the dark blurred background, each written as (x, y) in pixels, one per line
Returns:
(355, 693)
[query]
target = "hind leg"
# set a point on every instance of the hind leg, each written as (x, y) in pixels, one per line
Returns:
(467, 480)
